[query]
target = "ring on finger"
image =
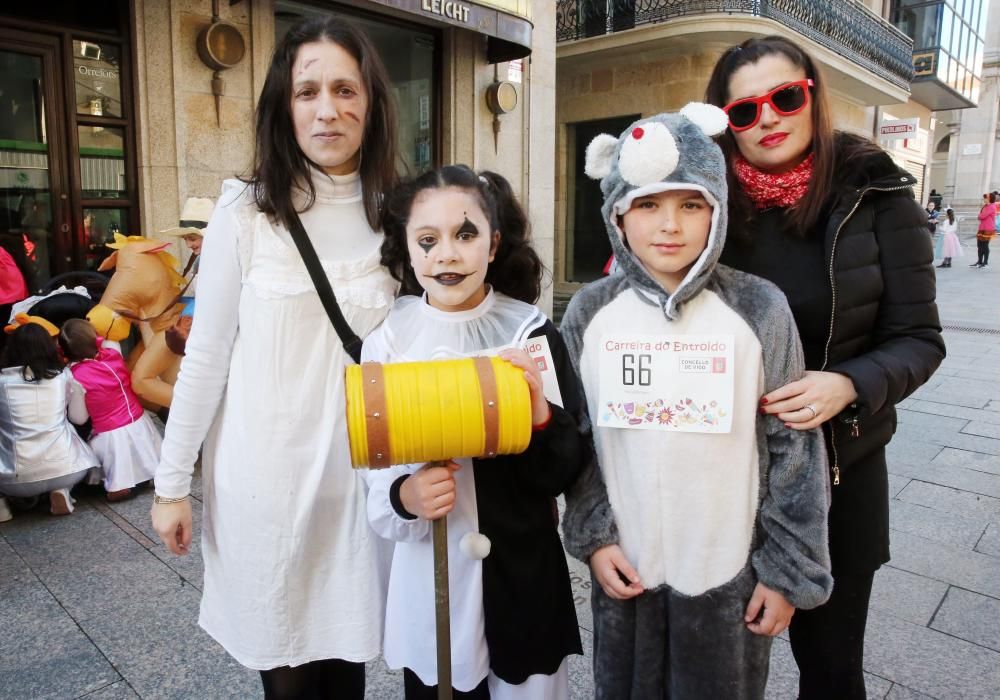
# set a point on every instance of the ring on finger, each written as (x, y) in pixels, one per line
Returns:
(809, 407)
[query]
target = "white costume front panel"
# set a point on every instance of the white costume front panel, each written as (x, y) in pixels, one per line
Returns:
(292, 572)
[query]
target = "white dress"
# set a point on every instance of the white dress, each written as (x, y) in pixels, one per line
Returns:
(292, 570)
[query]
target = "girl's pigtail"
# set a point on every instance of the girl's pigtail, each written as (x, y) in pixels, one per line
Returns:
(516, 269)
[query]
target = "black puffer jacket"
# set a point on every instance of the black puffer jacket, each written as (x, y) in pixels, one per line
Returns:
(884, 334)
(884, 329)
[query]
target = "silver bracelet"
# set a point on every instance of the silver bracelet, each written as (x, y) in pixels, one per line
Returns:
(158, 499)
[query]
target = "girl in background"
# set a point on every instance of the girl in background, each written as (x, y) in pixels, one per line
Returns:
(40, 451)
(124, 437)
(948, 246)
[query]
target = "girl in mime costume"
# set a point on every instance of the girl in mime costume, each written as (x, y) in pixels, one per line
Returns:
(463, 239)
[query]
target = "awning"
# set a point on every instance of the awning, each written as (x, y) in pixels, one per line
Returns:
(506, 23)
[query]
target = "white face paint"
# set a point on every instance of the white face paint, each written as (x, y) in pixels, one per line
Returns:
(451, 246)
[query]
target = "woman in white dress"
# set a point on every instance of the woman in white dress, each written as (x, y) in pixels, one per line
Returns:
(293, 584)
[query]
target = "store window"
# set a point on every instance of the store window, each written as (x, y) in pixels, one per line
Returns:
(68, 174)
(409, 53)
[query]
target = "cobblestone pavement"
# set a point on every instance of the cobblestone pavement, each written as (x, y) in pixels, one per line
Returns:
(91, 606)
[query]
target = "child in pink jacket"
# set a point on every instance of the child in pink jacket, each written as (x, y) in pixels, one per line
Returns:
(124, 437)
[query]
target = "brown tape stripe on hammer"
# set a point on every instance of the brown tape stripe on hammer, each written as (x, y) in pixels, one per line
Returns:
(376, 416)
(491, 410)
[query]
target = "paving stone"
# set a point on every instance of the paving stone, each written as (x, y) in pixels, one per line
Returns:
(961, 478)
(157, 645)
(970, 616)
(896, 484)
(989, 543)
(783, 676)
(968, 460)
(43, 654)
(935, 422)
(911, 451)
(929, 661)
(88, 562)
(579, 576)
(951, 500)
(993, 406)
(952, 396)
(381, 682)
(899, 692)
(908, 596)
(947, 438)
(945, 409)
(14, 573)
(969, 570)
(116, 691)
(581, 670)
(983, 429)
(936, 525)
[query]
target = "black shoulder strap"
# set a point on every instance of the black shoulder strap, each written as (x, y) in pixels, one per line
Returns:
(352, 343)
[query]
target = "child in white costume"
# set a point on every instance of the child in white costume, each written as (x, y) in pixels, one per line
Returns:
(463, 238)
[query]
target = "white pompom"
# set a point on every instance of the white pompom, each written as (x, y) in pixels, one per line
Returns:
(599, 154)
(709, 118)
(475, 545)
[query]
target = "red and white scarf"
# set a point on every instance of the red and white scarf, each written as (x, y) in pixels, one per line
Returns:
(768, 190)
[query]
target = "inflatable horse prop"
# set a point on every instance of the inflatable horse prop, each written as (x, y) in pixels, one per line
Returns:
(145, 291)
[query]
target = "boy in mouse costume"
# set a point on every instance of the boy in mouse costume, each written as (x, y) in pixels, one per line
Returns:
(704, 522)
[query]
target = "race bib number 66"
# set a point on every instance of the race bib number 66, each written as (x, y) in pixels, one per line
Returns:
(667, 382)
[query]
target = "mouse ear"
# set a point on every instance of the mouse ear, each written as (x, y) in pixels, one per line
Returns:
(709, 118)
(599, 156)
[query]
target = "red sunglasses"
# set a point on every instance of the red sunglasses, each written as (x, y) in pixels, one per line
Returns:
(786, 100)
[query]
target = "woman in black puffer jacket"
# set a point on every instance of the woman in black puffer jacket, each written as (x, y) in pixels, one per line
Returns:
(830, 219)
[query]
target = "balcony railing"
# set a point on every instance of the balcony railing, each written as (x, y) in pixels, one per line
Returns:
(843, 26)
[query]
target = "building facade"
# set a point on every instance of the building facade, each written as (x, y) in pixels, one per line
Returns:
(618, 60)
(116, 111)
(966, 153)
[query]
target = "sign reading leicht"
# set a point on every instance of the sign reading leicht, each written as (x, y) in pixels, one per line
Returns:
(899, 128)
(446, 8)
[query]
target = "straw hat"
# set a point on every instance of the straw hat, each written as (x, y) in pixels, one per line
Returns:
(194, 217)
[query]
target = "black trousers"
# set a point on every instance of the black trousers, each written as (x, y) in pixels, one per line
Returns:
(829, 642)
(414, 689)
(329, 679)
(983, 250)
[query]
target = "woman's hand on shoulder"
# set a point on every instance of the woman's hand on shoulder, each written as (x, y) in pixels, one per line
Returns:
(811, 401)
(616, 576)
(172, 522)
(429, 493)
(540, 409)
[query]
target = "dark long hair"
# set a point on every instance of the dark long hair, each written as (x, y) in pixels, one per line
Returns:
(825, 144)
(32, 348)
(516, 269)
(278, 160)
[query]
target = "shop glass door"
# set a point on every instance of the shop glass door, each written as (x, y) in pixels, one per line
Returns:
(34, 212)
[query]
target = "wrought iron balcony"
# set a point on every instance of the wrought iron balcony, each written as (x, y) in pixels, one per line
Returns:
(844, 26)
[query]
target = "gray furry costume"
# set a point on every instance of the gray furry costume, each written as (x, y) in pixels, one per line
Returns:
(702, 517)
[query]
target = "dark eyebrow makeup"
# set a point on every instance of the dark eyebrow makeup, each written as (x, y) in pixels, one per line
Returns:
(468, 227)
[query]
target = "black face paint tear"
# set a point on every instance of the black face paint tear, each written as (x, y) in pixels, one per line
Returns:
(426, 246)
